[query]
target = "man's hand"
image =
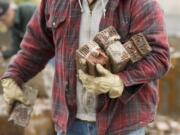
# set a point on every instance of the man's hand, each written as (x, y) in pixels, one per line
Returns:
(108, 82)
(12, 93)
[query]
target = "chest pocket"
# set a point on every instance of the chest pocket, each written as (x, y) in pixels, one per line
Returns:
(58, 12)
(57, 20)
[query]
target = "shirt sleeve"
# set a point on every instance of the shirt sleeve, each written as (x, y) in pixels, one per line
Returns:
(147, 17)
(36, 48)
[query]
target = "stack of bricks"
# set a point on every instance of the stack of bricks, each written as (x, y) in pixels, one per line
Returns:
(93, 54)
(112, 52)
(122, 54)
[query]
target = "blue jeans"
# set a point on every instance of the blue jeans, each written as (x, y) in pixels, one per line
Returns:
(85, 128)
(79, 127)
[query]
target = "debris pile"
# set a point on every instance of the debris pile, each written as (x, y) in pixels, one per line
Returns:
(164, 126)
(40, 122)
(21, 113)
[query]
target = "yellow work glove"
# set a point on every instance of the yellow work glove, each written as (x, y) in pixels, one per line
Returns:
(12, 92)
(107, 82)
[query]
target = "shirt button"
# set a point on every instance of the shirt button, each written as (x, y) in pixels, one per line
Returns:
(54, 24)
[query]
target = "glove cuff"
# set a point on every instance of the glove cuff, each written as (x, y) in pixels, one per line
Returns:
(115, 93)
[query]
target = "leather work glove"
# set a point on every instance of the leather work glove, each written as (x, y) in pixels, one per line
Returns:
(107, 82)
(12, 93)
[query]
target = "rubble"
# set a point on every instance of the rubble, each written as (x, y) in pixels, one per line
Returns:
(7, 128)
(40, 123)
(21, 113)
(163, 125)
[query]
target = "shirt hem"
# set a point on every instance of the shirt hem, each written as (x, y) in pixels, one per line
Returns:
(85, 117)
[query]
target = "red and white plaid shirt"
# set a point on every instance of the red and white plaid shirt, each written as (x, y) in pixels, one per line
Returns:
(54, 31)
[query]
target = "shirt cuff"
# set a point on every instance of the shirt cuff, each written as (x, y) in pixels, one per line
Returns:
(18, 80)
(131, 87)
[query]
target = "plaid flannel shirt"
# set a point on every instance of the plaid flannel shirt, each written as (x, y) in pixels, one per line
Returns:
(54, 31)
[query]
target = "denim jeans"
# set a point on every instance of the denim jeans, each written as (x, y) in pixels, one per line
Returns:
(86, 128)
(79, 127)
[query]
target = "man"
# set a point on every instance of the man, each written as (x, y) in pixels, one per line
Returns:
(57, 29)
(15, 19)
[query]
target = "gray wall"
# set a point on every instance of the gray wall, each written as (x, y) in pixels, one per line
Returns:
(171, 7)
(172, 16)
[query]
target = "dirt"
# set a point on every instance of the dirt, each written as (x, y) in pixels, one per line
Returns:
(175, 42)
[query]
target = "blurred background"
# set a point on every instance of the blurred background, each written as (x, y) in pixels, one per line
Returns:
(168, 117)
